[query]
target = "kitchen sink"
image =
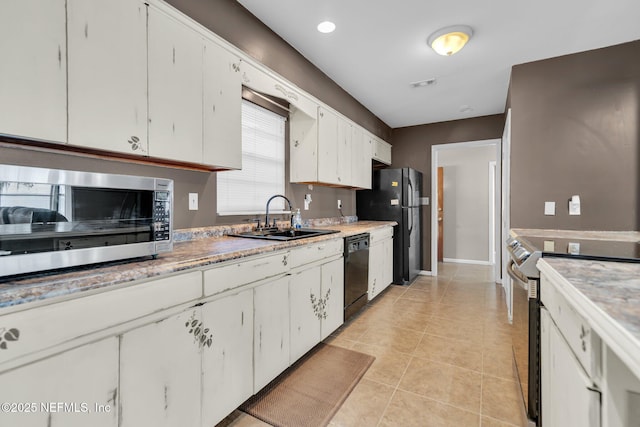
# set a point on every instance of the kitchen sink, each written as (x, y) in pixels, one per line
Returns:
(286, 234)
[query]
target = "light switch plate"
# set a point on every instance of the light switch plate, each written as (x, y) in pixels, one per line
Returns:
(193, 201)
(549, 208)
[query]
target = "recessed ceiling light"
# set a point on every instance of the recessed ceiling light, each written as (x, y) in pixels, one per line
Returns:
(326, 27)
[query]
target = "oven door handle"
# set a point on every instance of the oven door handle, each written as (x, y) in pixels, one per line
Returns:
(516, 277)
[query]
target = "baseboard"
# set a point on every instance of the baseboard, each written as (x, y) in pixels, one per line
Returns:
(466, 261)
(425, 273)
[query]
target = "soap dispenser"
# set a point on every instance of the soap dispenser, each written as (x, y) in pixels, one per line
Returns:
(297, 219)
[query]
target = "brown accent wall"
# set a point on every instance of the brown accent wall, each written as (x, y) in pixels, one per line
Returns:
(575, 130)
(234, 23)
(412, 148)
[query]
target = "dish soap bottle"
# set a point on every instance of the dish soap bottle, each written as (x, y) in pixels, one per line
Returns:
(297, 219)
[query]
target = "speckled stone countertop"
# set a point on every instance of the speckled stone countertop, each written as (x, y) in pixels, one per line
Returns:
(201, 252)
(607, 294)
(624, 236)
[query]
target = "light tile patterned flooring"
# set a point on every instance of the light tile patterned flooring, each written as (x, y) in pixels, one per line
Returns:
(443, 355)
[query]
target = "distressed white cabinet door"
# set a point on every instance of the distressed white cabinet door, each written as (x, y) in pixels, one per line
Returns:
(33, 75)
(160, 371)
(376, 269)
(387, 265)
(360, 158)
(108, 74)
(327, 147)
(175, 89)
(84, 379)
(222, 143)
(306, 309)
(332, 290)
(303, 147)
(343, 156)
(568, 398)
(227, 366)
(271, 331)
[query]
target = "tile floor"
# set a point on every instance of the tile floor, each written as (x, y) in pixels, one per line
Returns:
(443, 355)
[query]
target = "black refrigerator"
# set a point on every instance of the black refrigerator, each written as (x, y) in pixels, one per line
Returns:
(395, 196)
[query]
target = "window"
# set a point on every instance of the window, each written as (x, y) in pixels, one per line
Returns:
(246, 191)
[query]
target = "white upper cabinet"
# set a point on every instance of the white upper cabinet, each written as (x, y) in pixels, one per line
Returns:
(175, 89)
(108, 74)
(328, 147)
(303, 147)
(33, 85)
(360, 159)
(381, 150)
(222, 108)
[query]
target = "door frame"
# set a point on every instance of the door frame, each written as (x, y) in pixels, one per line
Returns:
(435, 150)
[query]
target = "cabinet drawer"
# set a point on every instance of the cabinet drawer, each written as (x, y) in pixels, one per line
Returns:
(380, 234)
(241, 272)
(57, 323)
(315, 252)
(584, 343)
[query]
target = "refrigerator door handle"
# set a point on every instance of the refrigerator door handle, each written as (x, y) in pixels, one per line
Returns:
(410, 193)
(410, 221)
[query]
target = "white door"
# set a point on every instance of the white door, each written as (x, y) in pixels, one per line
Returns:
(77, 388)
(108, 75)
(175, 89)
(222, 145)
(33, 75)
(332, 292)
(306, 304)
(270, 331)
(227, 366)
(160, 368)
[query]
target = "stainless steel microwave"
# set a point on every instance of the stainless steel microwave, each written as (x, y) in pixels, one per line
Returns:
(52, 218)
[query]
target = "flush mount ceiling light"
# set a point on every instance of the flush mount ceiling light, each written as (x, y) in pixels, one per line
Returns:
(450, 40)
(326, 27)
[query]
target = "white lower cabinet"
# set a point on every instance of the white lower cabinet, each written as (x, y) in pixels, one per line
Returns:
(307, 305)
(227, 366)
(380, 261)
(568, 394)
(160, 366)
(75, 388)
(317, 305)
(271, 331)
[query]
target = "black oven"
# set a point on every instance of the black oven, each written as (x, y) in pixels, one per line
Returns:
(53, 218)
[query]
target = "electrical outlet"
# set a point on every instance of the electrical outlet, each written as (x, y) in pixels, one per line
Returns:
(193, 201)
(339, 204)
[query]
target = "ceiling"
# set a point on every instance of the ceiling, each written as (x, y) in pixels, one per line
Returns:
(379, 47)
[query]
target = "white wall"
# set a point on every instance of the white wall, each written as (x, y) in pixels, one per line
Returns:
(466, 202)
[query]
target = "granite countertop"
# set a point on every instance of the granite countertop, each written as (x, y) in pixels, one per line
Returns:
(608, 295)
(623, 236)
(208, 247)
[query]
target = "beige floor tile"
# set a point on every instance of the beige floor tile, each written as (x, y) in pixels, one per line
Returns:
(352, 330)
(339, 341)
(442, 382)
(498, 364)
(364, 406)
(410, 410)
(389, 365)
(402, 340)
(448, 350)
(414, 306)
(501, 399)
(496, 338)
(422, 295)
(492, 422)
(456, 329)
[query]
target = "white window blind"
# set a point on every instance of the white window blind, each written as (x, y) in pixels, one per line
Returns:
(246, 191)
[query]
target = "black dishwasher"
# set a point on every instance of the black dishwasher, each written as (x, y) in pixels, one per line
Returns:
(356, 273)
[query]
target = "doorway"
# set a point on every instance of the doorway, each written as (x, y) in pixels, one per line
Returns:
(454, 229)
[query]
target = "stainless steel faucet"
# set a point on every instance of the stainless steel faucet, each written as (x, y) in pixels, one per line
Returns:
(266, 217)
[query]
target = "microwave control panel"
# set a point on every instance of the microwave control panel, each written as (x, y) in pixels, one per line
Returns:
(162, 216)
